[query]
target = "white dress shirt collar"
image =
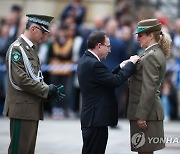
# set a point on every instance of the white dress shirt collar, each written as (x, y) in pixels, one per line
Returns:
(94, 54)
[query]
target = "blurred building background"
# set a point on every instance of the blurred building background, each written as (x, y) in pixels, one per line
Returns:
(74, 21)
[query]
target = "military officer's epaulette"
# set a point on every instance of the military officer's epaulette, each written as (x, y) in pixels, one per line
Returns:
(151, 52)
(16, 44)
(19, 43)
(147, 52)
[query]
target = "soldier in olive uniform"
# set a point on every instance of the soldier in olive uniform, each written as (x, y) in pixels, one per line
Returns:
(26, 89)
(145, 110)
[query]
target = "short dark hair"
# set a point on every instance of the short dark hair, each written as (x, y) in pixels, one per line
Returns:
(95, 38)
(28, 24)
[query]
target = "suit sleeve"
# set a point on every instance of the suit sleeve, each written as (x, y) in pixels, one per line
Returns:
(149, 87)
(21, 79)
(107, 78)
(116, 70)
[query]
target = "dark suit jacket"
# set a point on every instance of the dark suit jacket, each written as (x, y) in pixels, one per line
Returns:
(97, 84)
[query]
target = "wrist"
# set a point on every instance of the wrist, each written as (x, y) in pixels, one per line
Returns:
(52, 89)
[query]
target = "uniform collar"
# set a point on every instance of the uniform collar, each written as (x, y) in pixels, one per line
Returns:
(151, 46)
(94, 54)
(27, 40)
(148, 49)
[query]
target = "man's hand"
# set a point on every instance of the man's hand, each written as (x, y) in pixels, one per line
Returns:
(124, 63)
(56, 93)
(52, 90)
(134, 59)
(60, 91)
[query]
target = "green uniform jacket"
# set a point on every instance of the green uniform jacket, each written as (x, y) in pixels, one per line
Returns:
(144, 89)
(26, 104)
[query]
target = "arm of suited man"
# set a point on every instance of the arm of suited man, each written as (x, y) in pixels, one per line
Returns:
(117, 68)
(132, 59)
(105, 77)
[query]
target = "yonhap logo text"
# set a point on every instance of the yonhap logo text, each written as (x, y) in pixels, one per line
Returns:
(138, 140)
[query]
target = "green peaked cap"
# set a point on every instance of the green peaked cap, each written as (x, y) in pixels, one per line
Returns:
(42, 20)
(148, 25)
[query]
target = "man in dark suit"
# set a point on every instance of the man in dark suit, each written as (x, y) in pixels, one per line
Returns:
(97, 84)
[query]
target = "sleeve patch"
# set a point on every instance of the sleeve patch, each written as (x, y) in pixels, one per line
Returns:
(15, 56)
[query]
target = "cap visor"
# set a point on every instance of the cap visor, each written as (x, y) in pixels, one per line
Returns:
(45, 29)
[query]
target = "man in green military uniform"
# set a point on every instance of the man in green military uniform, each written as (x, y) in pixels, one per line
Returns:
(26, 89)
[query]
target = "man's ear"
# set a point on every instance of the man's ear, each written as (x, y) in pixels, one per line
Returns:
(98, 46)
(32, 28)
